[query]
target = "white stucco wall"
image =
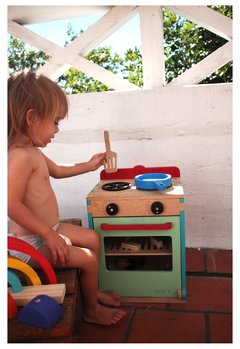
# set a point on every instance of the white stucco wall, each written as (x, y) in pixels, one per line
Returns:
(189, 127)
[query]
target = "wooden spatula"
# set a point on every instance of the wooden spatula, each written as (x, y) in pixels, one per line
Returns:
(110, 163)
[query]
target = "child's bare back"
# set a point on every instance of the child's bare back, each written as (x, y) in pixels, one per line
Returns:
(31, 182)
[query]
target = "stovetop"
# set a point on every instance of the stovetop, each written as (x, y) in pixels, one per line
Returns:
(132, 202)
(127, 189)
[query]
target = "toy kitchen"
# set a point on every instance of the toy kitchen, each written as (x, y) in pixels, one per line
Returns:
(139, 215)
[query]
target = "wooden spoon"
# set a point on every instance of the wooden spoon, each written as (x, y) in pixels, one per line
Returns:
(110, 162)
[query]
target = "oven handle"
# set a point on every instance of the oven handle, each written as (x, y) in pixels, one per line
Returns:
(165, 226)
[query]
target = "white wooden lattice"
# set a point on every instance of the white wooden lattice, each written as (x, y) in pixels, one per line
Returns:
(151, 23)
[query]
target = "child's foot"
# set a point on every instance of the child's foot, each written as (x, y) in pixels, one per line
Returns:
(109, 298)
(104, 315)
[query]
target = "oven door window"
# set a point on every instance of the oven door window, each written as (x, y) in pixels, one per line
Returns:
(138, 253)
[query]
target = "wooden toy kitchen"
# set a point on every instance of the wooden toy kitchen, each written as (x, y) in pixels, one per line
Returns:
(139, 215)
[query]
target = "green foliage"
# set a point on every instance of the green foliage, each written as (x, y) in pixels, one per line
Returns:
(132, 69)
(224, 10)
(185, 44)
(21, 56)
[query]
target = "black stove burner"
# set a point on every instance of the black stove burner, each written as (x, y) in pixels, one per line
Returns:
(116, 186)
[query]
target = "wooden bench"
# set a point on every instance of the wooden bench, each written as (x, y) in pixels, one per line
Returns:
(67, 329)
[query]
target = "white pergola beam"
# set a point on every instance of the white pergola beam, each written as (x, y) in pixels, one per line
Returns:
(93, 36)
(206, 18)
(103, 28)
(91, 69)
(72, 54)
(206, 67)
(64, 58)
(32, 38)
(152, 46)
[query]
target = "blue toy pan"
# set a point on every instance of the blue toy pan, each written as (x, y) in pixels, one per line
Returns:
(153, 181)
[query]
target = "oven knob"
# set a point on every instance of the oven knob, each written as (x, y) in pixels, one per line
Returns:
(157, 207)
(112, 209)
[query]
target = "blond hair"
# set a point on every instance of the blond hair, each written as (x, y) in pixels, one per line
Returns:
(30, 90)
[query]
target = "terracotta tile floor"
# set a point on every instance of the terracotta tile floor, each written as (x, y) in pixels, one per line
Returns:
(206, 317)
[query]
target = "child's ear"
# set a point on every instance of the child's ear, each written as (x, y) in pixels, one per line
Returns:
(30, 117)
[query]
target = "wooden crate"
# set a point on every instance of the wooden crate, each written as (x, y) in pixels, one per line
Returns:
(72, 221)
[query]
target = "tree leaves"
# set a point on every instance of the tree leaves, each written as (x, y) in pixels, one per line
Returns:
(185, 44)
(22, 56)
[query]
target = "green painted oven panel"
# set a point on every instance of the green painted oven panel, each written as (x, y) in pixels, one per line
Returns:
(141, 283)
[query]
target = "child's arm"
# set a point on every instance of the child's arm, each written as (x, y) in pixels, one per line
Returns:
(63, 171)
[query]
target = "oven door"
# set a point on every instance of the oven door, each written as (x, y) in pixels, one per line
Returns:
(140, 256)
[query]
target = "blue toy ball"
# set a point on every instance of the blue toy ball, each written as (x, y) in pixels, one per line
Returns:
(42, 311)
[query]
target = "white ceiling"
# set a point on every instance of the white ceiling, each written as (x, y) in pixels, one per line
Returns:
(39, 14)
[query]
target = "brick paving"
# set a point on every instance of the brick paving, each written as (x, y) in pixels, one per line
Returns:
(206, 317)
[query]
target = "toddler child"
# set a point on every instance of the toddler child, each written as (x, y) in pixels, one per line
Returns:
(36, 105)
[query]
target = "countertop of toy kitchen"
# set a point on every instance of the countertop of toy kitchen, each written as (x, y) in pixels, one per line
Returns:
(174, 191)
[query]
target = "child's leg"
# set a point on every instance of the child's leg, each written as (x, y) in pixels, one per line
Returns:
(88, 238)
(93, 311)
(81, 236)
(86, 260)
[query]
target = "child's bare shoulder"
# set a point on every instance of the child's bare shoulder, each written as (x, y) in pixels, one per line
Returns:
(17, 152)
(23, 155)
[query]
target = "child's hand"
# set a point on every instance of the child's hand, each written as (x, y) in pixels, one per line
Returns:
(58, 248)
(96, 161)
